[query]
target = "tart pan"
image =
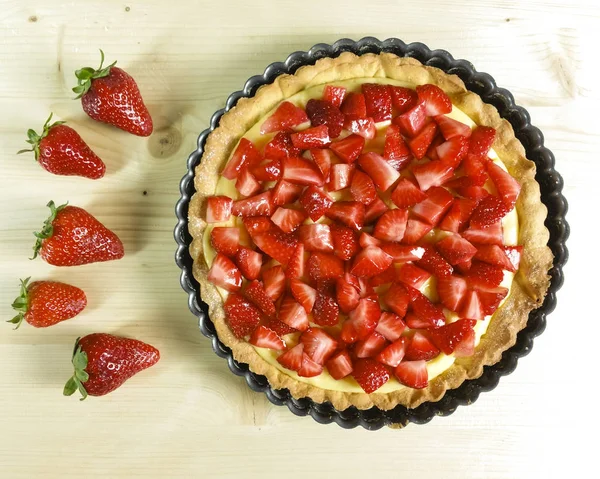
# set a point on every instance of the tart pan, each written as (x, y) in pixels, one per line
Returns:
(551, 184)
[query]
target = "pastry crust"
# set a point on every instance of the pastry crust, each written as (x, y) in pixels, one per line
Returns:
(529, 285)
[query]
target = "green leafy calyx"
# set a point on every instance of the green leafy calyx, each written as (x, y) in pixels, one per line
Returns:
(47, 229)
(20, 304)
(34, 139)
(87, 74)
(80, 376)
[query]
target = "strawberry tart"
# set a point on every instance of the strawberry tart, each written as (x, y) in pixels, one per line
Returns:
(367, 232)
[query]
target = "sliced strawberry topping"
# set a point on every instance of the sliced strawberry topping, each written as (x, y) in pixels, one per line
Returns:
(361, 322)
(476, 193)
(348, 149)
(475, 170)
(322, 158)
(256, 293)
(264, 337)
(371, 346)
(347, 294)
(432, 150)
(245, 155)
(466, 347)
(490, 209)
(364, 127)
(472, 307)
(452, 152)
(412, 121)
(326, 310)
(362, 188)
(415, 230)
(494, 254)
(412, 374)
(324, 113)
(459, 214)
(449, 336)
(436, 101)
(280, 328)
(371, 261)
(309, 367)
(246, 184)
(293, 314)
(514, 254)
(426, 310)
(482, 139)
(381, 172)
(225, 274)
(316, 137)
(278, 245)
(390, 326)
(286, 116)
(301, 172)
(285, 192)
(243, 317)
(324, 266)
(354, 106)
(403, 99)
(403, 253)
(257, 224)
(452, 291)
(370, 374)
(269, 170)
(218, 209)
(249, 262)
(315, 202)
(292, 358)
(412, 275)
(340, 365)
(421, 348)
(433, 208)
(281, 147)
(334, 95)
(349, 213)
(287, 219)
(391, 225)
(397, 299)
(345, 242)
(451, 128)
(316, 237)
(406, 194)
(274, 281)
(456, 249)
(225, 240)
(435, 264)
(420, 143)
(341, 176)
(396, 150)
(393, 354)
(491, 234)
(378, 99)
(375, 210)
(491, 298)
(434, 173)
(295, 267)
(390, 275)
(484, 275)
(508, 188)
(257, 205)
(318, 345)
(303, 294)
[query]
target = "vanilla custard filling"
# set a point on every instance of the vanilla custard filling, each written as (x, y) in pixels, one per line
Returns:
(442, 362)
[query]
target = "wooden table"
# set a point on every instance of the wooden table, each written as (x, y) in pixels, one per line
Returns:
(189, 416)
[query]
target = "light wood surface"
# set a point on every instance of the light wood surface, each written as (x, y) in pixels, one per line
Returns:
(189, 416)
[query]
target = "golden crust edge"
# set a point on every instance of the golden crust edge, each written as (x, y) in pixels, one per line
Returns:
(530, 284)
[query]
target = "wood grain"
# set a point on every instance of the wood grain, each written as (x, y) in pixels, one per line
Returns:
(189, 416)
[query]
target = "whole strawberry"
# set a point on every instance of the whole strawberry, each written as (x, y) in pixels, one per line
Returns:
(60, 150)
(103, 362)
(45, 303)
(110, 95)
(71, 236)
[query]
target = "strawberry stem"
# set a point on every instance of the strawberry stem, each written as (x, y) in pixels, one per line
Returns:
(34, 139)
(87, 74)
(47, 229)
(20, 304)
(80, 376)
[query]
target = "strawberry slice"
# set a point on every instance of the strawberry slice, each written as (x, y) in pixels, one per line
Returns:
(451, 128)
(394, 353)
(274, 281)
(396, 150)
(390, 326)
(494, 254)
(349, 149)
(323, 266)
(303, 294)
(426, 310)
(420, 143)
(341, 176)
(345, 243)
(421, 347)
(453, 151)
(378, 99)
(432, 150)
(406, 194)
(287, 219)
(218, 209)
(476, 193)
(316, 137)
(466, 347)
(264, 337)
(318, 345)
(301, 172)
(309, 368)
(349, 213)
(292, 358)
(435, 264)
(381, 172)
(366, 240)
(456, 249)
(322, 158)
(354, 106)
(412, 121)
(249, 262)
(391, 225)
(281, 147)
(397, 299)
(295, 267)
(362, 188)
(491, 234)
(390, 275)
(371, 346)
(490, 210)
(435, 99)
(403, 253)
(459, 214)
(225, 274)
(472, 307)
(293, 314)
(361, 322)
(316, 237)
(412, 275)
(403, 99)
(245, 155)
(285, 192)
(412, 374)
(452, 291)
(482, 139)
(324, 113)
(484, 275)
(334, 95)
(326, 310)
(246, 184)
(315, 202)
(242, 316)
(371, 261)
(491, 298)
(269, 170)
(475, 169)
(364, 127)
(514, 254)
(435, 206)
(278, 245)
(375, 210)
(434, 173)
(257, 205)
(415, 230)
(370, 375)
(256, 293)
(285, 117)
(225, 240)
(340, 365)
(347, 294)
(508, 188)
